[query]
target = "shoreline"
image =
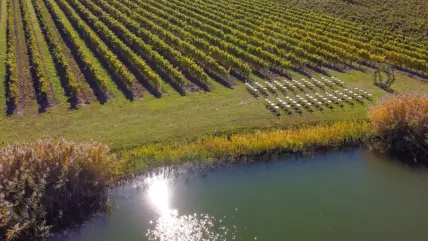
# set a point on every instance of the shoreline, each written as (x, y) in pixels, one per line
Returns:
(234, 148)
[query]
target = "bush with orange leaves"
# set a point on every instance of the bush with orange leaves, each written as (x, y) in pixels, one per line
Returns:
(51, 185)
(401, 125)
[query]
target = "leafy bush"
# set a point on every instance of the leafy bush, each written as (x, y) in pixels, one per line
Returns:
(401, 125)
(52, 185)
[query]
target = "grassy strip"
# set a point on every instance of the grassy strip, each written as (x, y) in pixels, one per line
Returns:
(247, 146)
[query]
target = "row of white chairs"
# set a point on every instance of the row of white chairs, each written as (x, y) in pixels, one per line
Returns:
(274, 108)
(316, 100)
(358, 92)
(280, 86)
(319, 83)
(251, 87)
(329, 99)
(335, 97)
(257, 89)
(271, 87)
(338, 81)
(292, 85)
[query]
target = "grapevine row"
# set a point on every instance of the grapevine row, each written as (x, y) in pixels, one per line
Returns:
(237, 38)
(155, 57)
(325, 47)
(364, 32)
(132, 59)
(71, 85)
(12, 88)
(400, 57)
(189, 50)
(257, 41)
(394, 57)
(203, 31)
(252, 44)
(77, 45)
(324, 28)
(240, 41)
(315, 54)
(119, 23)
(169, 29)
(345, 27)
(302, 43)
(96, 44)
(271, 51)
(37, 66)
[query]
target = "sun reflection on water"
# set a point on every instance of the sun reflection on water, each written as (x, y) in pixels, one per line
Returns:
(159, 193)
(170, 225)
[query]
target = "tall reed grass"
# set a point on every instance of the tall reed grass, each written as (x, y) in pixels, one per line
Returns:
(400, 125)
(51, 185)
(248, 145)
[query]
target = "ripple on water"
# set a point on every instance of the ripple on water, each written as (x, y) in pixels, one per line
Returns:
(197, 227)
(170, 225)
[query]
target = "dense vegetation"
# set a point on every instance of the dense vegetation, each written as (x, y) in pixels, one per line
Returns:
(50, 185)
(406, 18)
(105, 48)
(401, 125)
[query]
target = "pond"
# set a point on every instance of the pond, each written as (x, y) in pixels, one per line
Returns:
(348, 195)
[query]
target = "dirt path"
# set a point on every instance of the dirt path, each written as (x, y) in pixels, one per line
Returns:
(27, 96)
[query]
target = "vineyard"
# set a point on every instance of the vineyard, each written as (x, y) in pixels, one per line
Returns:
(407, 18)
(77, 52)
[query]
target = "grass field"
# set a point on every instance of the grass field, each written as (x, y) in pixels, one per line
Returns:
(128, 73)
(123, 124)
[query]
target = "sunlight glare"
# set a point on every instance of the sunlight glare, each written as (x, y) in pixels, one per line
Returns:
(173, 226)
(159, 194)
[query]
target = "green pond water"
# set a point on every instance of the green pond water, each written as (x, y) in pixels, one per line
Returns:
(349, 195)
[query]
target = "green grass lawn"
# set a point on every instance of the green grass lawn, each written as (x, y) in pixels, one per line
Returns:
(123, 124)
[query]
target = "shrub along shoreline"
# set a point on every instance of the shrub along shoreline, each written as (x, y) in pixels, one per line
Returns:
(400, 124)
